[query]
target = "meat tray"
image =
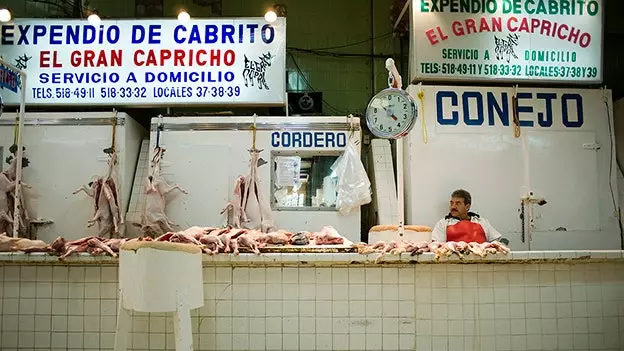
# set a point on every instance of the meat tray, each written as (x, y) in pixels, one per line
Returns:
(346, 248)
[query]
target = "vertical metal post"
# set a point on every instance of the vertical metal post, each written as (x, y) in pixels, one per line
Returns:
(19, 155)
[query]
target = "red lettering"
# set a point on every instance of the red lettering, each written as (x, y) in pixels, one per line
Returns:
(524, 26)
(229, 57)
(535, 23)
(164, 56)
(585, 40)
(497, 24)
(136, 57)
(44, 59)
(511, 19)
(574, 34)
(90, 58)
(215, 57)
(151, 59)
(431, 36)
(441, 34)
(200, 61)
(471, 25)
(457, 28)
(89, 55)
(560, 34)
(178, 57)
(116, 58)
(483, 25)
(545, 30)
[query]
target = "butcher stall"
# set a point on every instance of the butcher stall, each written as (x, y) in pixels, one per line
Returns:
(288, 160)
(539, 162)
(63, 153)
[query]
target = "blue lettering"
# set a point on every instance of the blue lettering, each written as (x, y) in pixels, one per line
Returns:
(112, 34)
(154, 34)
(454, 115)
(329, 140)
(318, 141)
(466, 104)
(88, 36)
(286, 139)
(579, 110)
(546, 119)
(502, 110)
(296, 140)
(267, 39)
(23, 40)
(275, 139)
(39, 32)
(56, 31)
(228, 33)
(74, 34)
(211, 34)
(240, 32)
(6, 33)
(194, 37)
(307, 139)
(176, 34)
(342, 139)
(137, 29)
(524, 109)
(252, 32)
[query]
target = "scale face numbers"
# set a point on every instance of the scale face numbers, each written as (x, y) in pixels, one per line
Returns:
(391, 114)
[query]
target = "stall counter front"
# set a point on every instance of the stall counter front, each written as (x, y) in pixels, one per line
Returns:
(554, 300)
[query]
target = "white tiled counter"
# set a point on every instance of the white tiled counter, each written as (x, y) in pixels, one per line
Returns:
(568, 300)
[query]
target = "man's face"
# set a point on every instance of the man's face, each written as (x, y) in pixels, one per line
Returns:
(458, 207)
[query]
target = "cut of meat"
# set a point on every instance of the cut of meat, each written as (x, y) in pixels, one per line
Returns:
(328, 236)
(154, 220)
(108, 211)
(256, 208)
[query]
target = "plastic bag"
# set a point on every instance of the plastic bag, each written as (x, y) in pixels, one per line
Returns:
(353, 183)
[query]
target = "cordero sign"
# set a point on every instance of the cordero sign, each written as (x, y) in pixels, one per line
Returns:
(509, 40)
(135, 62)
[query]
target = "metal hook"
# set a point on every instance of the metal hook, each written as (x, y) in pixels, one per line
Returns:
(351, 123)
(159, 129)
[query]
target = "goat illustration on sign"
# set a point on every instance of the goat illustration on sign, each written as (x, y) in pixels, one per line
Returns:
(505, 47)
(255, 71)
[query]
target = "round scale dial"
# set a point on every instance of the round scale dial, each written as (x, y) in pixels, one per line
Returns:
(391, 113)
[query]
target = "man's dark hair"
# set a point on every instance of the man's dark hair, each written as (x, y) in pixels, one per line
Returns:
(462, 194)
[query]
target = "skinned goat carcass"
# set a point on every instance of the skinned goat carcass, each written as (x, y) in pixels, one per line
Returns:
(233, 208)
(7, 197)
(154, 220)
(108, 211)
(257, 210)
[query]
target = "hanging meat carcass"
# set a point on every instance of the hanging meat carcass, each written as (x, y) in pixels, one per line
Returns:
(234, 208)
(107, 202)
(7, 197)
(250, 209)
(154, 220)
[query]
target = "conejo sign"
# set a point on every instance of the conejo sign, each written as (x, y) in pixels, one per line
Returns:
(507, 40)
(148, 62)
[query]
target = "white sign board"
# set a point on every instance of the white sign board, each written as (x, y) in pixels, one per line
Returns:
(507, 40)
(148, 62)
